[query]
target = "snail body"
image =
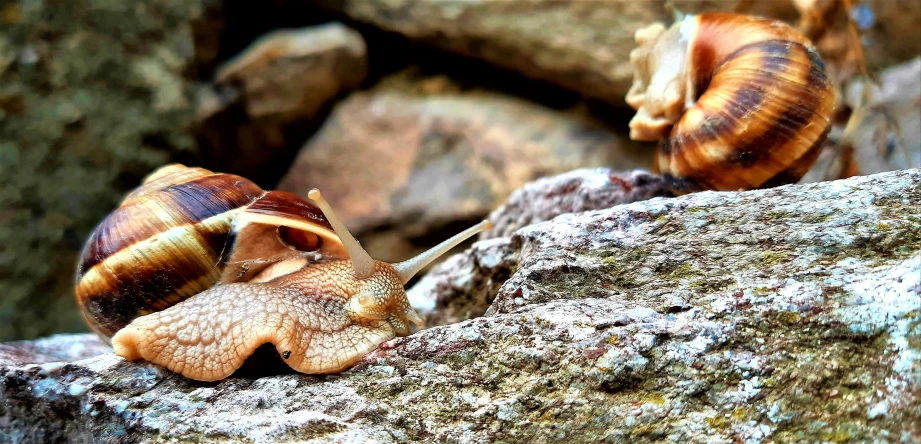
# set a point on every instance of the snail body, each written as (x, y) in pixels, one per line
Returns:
(737, 102)
(196, 269)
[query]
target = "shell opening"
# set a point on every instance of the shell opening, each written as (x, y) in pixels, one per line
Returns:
(299, 240)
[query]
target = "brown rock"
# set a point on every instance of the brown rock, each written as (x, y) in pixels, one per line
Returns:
(405, 164)
(290, 74)
(264, 99)
(585, 45)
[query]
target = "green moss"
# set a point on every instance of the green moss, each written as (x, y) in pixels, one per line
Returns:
(836, 436)
(717, 422)
(682, 271)
(645, 430)
(712, 285)
(816, 218)
(655, 398)
(104, 105)
(621, 265)
(777, 215)
(771, 258)
(789, 317)
(695, 210)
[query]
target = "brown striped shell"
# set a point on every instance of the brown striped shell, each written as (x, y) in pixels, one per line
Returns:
(738, 102)
(181, 232)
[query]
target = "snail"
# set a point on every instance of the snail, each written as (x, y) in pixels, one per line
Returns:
(737, 102)
(195, 270)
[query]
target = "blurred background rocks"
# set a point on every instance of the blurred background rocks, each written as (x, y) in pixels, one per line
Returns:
(93, 96)
(415, 159)
(415, 117)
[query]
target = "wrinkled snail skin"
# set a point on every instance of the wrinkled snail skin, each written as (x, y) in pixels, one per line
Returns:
(737, 102)
(195, 270)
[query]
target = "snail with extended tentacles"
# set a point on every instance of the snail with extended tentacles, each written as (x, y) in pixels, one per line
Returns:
(195, 270)
(737, 102)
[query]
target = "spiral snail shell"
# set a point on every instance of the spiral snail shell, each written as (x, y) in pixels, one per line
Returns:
(737, 102)
(195, 270)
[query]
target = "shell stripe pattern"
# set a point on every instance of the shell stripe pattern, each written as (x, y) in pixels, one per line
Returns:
(165, 243)
(761, 119)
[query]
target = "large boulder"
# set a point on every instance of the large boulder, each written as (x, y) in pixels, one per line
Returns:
(92, 98)
(585, 45)
(790, 314)
(408, 162)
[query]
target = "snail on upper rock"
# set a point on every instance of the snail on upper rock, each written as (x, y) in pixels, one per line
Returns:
(195, 270)
(737, 102)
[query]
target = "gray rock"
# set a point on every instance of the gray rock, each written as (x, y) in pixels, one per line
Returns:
(572, 192)
(54, 348)
(789, 315)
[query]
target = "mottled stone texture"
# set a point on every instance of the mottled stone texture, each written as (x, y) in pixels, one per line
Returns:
(412, 160)
(92, 98)
(585, 45)
(788, 315)
(572, 192)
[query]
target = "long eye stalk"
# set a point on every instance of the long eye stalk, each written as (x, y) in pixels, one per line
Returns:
(407, 269)
(362, 263)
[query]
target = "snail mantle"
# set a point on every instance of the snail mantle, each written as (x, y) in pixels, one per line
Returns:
(785, 314)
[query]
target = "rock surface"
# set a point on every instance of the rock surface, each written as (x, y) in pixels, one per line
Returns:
(584, 45)
(263, 100)
(54, 348)
(573, 192)
(410, 161)
(92, 98)
(442, 302)
(791, 315)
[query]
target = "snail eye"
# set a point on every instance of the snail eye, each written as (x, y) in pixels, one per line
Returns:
(299, 240)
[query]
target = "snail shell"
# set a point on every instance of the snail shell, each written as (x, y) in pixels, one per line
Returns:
(173, 237)
(738, 102)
